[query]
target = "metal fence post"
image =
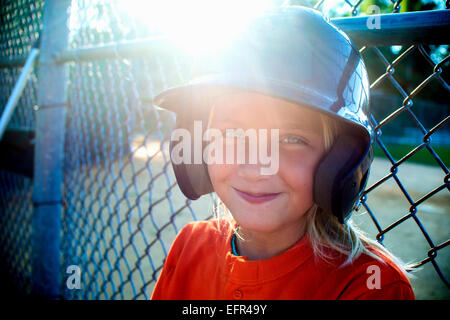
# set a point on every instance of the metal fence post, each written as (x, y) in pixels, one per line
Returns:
(49, 152)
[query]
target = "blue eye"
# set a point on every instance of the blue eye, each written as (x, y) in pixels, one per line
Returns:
(293, 140)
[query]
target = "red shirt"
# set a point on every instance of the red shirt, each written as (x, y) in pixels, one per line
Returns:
(200, 266)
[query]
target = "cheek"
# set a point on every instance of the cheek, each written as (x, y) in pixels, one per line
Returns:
(214, 174)
(219, 174)
(297, 171)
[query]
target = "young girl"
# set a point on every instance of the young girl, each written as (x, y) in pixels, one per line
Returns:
(284, 235)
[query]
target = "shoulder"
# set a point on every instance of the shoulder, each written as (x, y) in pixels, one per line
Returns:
(200, 234)
(203, 228)
(376, 277)
(195, 252)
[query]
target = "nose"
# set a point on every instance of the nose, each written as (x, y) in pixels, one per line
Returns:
(249, 162)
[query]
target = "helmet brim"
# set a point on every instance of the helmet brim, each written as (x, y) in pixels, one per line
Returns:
(193, 101)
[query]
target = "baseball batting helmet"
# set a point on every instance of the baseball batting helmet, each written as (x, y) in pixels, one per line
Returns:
(292, 53)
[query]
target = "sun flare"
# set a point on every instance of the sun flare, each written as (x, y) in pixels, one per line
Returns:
(197, 25)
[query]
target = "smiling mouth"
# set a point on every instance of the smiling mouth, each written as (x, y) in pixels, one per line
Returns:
(256, 198)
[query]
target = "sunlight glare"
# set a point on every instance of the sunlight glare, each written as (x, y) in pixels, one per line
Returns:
(197, 25)
(142, 149)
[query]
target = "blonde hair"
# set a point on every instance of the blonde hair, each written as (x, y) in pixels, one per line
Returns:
(326, 234)
(324, 229)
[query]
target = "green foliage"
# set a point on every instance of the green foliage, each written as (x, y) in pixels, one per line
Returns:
(398, 151)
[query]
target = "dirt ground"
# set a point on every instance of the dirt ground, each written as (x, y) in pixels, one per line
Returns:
(138, 223)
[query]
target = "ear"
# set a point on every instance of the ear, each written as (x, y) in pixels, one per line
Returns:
(341, 176)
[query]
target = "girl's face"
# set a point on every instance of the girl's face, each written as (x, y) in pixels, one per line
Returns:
(269, 203)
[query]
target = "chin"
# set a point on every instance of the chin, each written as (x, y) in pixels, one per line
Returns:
(256, 221)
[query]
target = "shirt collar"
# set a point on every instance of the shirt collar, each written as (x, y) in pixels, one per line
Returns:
(241, 270)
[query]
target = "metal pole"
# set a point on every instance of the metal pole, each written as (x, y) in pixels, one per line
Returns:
(49, 153)
(131, 48)
(422, 27)
(18, 88)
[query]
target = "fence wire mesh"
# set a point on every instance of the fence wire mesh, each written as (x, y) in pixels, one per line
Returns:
(21, 22)
(122, 207)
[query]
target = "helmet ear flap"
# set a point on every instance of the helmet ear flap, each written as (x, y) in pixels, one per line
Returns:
(192, 178)
(341, 176)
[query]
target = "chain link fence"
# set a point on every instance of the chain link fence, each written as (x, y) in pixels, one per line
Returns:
(21, 22)
(121, 207)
